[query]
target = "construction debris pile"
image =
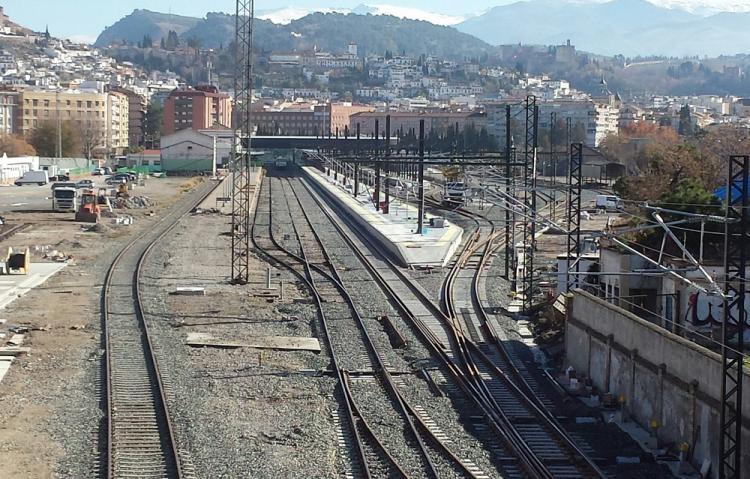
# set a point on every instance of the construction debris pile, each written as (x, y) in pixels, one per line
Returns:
(134, 202)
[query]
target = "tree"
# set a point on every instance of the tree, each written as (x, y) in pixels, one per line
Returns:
(153, 122)
(147, 41)
(172, 42)
(578, 133)
(686, 122)
(44, 138)
(92, 136)
(13, 146)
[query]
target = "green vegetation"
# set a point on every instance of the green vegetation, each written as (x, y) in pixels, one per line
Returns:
(329, 32)
(44, 138)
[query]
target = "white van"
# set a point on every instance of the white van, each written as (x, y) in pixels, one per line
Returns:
(38, 177)
(608, 202)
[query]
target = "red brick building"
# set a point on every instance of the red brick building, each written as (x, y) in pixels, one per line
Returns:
(198, 109)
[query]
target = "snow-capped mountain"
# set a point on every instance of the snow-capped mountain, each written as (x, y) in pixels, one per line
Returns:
(286, 15)
(705, 7)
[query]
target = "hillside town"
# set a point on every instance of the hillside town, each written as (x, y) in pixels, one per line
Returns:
(121, 109)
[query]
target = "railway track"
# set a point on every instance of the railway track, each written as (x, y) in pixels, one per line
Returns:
(140, 437)
(502, 382)
(544, 451)
(364, 377)
(509, 384)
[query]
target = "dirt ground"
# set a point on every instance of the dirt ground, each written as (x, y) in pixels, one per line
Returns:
(49, 406)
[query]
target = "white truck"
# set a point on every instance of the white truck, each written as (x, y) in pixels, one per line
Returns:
(608, 202)
(36, 177)
(65, 198)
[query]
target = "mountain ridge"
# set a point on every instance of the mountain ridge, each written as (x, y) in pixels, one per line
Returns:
(327, 31)
(628, 27)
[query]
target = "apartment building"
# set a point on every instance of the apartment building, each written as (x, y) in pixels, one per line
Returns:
(8, 105)
(405, 121)
(136, 115)
(118, 123)
(101, 118)
(598, 118)
(305, 119)
(198, 109)
(293, 119)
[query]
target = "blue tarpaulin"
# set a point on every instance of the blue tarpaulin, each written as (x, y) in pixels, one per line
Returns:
(721, 192)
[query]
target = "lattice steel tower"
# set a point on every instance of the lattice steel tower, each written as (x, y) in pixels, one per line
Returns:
(243, 92)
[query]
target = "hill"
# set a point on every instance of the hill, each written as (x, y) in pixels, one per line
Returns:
(135, 26)
(628, 27)
(327, 31)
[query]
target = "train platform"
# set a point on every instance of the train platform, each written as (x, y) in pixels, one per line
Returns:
(221, 198)
(396, 231)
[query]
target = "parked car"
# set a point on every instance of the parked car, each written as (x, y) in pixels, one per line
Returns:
(97, 172)
(117, 180)
(59, 178)
(608, 202)
(37, 177)
(85, 184)
(106, 170)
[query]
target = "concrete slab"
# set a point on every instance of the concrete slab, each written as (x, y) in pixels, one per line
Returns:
(285, 343)
(5, 363)
(396, 231)
(14, 286)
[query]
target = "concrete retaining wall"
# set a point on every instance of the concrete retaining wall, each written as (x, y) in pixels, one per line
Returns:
(660, 375)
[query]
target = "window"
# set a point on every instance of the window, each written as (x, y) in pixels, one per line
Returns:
(36, 102)
(79, 103)
(88, 104)
(46, 103)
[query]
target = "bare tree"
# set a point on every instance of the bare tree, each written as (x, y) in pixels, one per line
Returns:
(92, 137)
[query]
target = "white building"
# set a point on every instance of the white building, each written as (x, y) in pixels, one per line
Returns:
(13, 168)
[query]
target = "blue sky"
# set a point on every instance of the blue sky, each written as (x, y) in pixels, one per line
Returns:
(87, 18)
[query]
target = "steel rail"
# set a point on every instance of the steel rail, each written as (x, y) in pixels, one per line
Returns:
(171, 466)
(472, 372)
(355, 418)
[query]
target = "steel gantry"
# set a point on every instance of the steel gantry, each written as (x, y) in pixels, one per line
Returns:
(575, 167)
(529, 195)
(243, 91)
(736, 240)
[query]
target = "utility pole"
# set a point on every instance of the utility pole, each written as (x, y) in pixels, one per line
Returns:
(241, 145)
(553, 159)
(736, 240)
(59, 125)
(508, 235)
(575, 167)
(356, 168)
(420, 179)
(529, 195)
(377, 167)
(387, 204)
